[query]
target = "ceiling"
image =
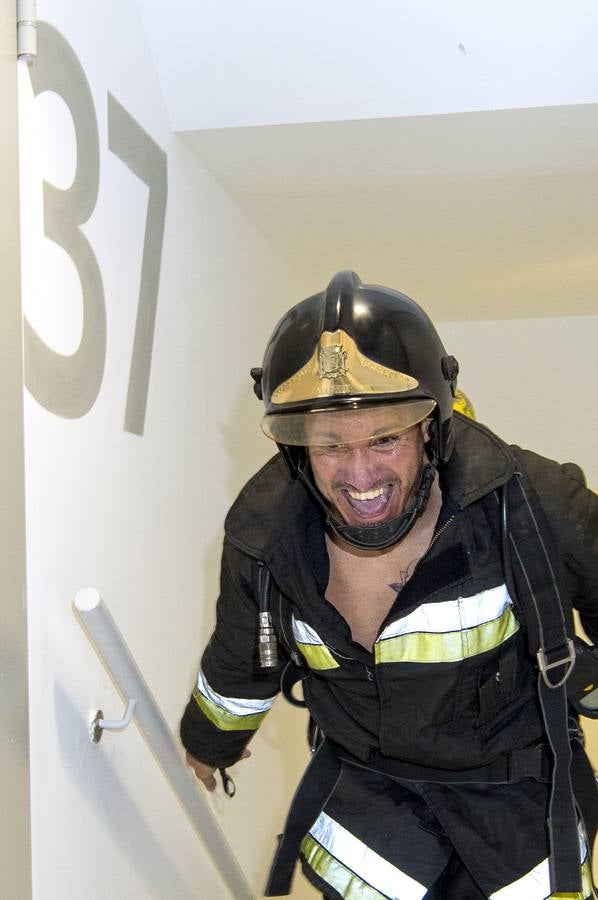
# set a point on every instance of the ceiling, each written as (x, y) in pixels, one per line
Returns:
(476, 215)
(485, 214)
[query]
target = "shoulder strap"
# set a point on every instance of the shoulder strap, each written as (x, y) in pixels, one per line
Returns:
(532, 571)
(532, 561)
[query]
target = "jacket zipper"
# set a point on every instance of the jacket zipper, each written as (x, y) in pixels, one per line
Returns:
(439, 532)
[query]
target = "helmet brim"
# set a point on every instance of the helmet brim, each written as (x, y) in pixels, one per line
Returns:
(331, 426)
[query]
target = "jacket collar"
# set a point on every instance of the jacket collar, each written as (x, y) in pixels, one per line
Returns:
(480, 463)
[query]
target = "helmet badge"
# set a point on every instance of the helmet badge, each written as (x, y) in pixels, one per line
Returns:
(332, 361)
(337, 368)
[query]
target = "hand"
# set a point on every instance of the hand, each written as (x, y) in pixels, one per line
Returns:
(205, 773)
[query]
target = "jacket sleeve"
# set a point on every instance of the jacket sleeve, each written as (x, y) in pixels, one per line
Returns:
(572, 510)
(232, 694)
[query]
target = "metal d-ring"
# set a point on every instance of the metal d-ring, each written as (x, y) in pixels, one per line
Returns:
(99, 724)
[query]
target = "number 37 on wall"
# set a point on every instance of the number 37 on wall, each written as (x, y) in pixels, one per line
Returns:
(69, 385)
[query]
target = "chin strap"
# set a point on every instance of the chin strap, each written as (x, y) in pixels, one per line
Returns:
(376, 537)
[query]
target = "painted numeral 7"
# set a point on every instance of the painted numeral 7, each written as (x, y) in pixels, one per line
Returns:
(140, 153)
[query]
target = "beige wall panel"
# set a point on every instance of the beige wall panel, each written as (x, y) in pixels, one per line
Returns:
(15, 857)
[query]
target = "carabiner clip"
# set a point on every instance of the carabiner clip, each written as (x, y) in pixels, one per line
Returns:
(227, 783)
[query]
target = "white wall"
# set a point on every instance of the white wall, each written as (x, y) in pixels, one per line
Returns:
(534, 382)
(137, 517)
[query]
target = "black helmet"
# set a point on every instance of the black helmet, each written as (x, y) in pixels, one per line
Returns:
(355, 346)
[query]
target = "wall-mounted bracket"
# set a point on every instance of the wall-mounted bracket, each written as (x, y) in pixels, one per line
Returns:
(99, 724)
(26, 30)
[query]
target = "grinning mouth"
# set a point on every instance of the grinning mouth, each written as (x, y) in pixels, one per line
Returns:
(365, 495)
(369, 504)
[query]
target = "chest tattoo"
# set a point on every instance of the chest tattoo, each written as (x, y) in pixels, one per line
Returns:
(404, 576)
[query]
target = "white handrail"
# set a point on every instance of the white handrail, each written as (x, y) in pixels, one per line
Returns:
(102, 630)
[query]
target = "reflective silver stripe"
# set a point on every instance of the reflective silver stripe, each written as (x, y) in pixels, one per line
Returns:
(304, 633)
(452, 615)
(312, 647)
(356, 856)
(236, 706)
(535, 884)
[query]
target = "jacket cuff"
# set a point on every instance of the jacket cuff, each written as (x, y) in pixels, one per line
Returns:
(209, 744)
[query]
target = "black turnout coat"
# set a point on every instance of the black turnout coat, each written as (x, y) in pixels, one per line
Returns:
(450, 684)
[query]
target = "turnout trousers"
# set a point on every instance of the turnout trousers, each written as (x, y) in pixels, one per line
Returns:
(377, 838)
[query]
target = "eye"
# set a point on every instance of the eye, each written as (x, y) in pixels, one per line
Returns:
(388, 442)
(335, 448)
(329, 450)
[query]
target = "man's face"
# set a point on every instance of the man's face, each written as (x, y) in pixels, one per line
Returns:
(368, 475)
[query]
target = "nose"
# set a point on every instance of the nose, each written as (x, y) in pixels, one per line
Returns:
(362, 468)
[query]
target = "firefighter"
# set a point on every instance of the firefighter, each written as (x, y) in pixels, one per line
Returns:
(418, 575)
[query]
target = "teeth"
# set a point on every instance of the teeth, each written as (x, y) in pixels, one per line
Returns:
(365, 495)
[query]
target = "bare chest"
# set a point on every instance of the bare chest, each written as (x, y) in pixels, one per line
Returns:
(364, 589)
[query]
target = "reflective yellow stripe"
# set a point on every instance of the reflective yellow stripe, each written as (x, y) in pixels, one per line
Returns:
(335, 874)
(451, 646)
(352, 867)
(312, 647)
(224, 720)
(317, 656)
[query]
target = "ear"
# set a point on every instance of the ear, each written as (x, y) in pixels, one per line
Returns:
(426, 428)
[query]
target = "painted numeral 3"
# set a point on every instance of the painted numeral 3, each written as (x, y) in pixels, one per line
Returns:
(69, 385)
